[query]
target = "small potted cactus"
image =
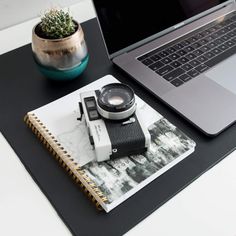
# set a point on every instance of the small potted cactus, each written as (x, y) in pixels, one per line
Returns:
(59, 47)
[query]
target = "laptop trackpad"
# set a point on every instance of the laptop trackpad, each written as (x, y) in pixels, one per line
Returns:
(225, 74)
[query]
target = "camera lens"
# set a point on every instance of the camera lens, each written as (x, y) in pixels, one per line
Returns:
(116, 101)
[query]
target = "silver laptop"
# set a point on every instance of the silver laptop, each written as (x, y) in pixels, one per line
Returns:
(183, 51)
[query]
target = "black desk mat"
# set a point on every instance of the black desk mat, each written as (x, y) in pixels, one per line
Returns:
(23, 88)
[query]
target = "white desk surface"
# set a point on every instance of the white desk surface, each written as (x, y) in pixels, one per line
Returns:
(207, 207)
(24, 210)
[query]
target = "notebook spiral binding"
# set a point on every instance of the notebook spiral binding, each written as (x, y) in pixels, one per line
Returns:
(65, 160)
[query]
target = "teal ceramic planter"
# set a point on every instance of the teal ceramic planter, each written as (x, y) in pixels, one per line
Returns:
(60, 59)
(62, 75)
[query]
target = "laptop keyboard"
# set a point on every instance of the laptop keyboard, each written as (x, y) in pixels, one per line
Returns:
(181, 60)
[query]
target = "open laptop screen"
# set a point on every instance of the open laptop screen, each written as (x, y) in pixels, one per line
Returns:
(125, 22)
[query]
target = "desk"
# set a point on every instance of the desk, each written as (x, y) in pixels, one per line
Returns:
(189, 207)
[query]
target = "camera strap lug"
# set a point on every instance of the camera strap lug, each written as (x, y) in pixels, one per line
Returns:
(129, 121)
(81, 111)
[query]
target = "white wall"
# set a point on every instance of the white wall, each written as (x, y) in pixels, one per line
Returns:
(20, 34)
(13, 12)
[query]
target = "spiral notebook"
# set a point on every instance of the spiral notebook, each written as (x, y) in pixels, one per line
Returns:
(107, 183)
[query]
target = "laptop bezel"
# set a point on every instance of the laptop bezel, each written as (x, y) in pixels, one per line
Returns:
(159, 34)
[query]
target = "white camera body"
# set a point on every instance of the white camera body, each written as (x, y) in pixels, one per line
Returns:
(113, 138)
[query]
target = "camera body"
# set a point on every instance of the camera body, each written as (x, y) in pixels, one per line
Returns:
(117, 131)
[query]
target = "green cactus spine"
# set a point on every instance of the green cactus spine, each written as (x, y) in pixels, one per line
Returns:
(57, 24)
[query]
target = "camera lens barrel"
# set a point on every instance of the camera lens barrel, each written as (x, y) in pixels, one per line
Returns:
(116, 101)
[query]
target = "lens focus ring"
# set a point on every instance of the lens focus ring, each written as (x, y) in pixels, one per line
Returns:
(116, 101)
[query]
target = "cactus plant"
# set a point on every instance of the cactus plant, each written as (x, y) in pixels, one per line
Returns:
(57, 24)
(58, 45)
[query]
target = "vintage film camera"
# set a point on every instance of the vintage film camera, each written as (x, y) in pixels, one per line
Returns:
(115, 127)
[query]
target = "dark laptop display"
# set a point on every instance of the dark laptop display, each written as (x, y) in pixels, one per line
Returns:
(125, 22)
